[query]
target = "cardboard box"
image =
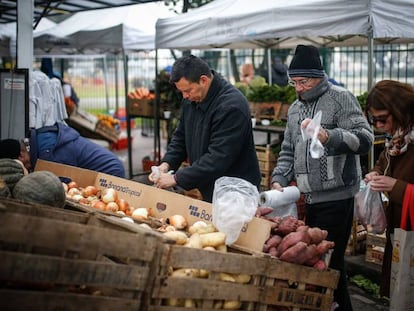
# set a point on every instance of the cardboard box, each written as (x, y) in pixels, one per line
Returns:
(162, 202)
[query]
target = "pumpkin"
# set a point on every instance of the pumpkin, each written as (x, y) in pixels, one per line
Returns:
(11, 172)
(40, 187)
(4, 189)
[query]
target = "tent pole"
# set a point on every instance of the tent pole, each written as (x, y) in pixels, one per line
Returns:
(105, 66)
(269, 65)
(157, 143)
(371, 155)
(128, 122)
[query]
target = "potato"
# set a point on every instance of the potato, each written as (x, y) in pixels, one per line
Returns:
(213, 239)
(227, 277)
(231, 305)
(242, 278)
(179, 237)
(201, 227)
(186, 273)
(194, 241)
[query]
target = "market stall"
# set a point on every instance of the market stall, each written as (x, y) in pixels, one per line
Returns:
(160, 253)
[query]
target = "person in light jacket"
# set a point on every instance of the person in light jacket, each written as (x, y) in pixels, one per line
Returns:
(330, 182)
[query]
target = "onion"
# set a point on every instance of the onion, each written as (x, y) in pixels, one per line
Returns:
(109, 195)
(178, 221)
(140, 213)
(98, 204)
(112, 207)
(123, 205)
(89, 191)
(73, 191)
(73, 184)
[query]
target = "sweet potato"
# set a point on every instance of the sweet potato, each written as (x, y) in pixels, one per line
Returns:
(273, 252)
(317, 235)
(287, 225)
(311, 255)
(273, 241)
(295, 254)
(320, 265)
(293, 238)
(324, 246)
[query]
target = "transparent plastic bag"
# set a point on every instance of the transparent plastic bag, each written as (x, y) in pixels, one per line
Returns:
(369, 210)
(235, 202)
(311, 132)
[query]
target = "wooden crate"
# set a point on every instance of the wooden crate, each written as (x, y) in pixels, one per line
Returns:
(375, 245)
(60, 259)
(267, 162)
(140, 107)
(272, 282)
(261, 111)
(357, 240)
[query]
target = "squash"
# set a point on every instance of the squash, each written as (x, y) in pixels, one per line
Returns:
(11, 172)
(40, 187)
(4, 189)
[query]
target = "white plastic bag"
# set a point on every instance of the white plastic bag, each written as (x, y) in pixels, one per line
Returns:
(311, 132)
(369, 210)
(235, 202)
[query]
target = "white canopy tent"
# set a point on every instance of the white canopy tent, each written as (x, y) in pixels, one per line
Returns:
(111, 30)
(283, 24)
(115, 30)
(280, 23)
(8, 36)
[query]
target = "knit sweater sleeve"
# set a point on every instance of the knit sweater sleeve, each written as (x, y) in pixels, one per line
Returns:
(352, 133)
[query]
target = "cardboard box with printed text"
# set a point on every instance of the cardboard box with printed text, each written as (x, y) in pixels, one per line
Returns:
(163, 203)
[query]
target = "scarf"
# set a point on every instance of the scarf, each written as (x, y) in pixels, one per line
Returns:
(399, 142)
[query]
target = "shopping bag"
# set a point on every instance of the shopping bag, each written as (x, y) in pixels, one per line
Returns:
(402, 267)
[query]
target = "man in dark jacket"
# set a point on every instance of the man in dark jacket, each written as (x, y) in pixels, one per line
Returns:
(214, 133)
(62, 144)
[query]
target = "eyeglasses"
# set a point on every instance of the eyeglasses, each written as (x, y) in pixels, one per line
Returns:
(303, 82)
(381, 119)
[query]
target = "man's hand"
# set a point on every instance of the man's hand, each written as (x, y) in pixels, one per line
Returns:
(162, 168)
(165, 180)
(323, 134)
(277, 186)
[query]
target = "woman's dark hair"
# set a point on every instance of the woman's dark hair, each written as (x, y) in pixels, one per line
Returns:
(396, 97)
(190, 68)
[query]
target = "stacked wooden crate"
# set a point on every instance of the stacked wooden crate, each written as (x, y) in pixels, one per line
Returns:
(375, 246)
(214, 280)
(267, 161)
(357, 239)
(57, 259)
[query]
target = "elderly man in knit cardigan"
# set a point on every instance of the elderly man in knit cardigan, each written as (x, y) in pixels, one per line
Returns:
(328, 182)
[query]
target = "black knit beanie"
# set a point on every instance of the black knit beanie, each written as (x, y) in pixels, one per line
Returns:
(306, 63)
(9, 148)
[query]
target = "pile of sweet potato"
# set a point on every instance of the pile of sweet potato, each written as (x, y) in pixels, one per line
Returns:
(292, 241)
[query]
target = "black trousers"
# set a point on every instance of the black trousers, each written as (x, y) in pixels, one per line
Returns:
(336, 217)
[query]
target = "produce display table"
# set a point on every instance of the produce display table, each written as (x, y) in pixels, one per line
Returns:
(270, 129)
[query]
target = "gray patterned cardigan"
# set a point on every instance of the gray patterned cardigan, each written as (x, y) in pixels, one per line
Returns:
(337, 174)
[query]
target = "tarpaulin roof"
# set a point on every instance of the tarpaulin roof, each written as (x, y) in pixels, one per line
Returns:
(281, 23)
(105, 30)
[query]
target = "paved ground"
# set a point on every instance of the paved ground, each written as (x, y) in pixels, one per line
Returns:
(143, 145)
